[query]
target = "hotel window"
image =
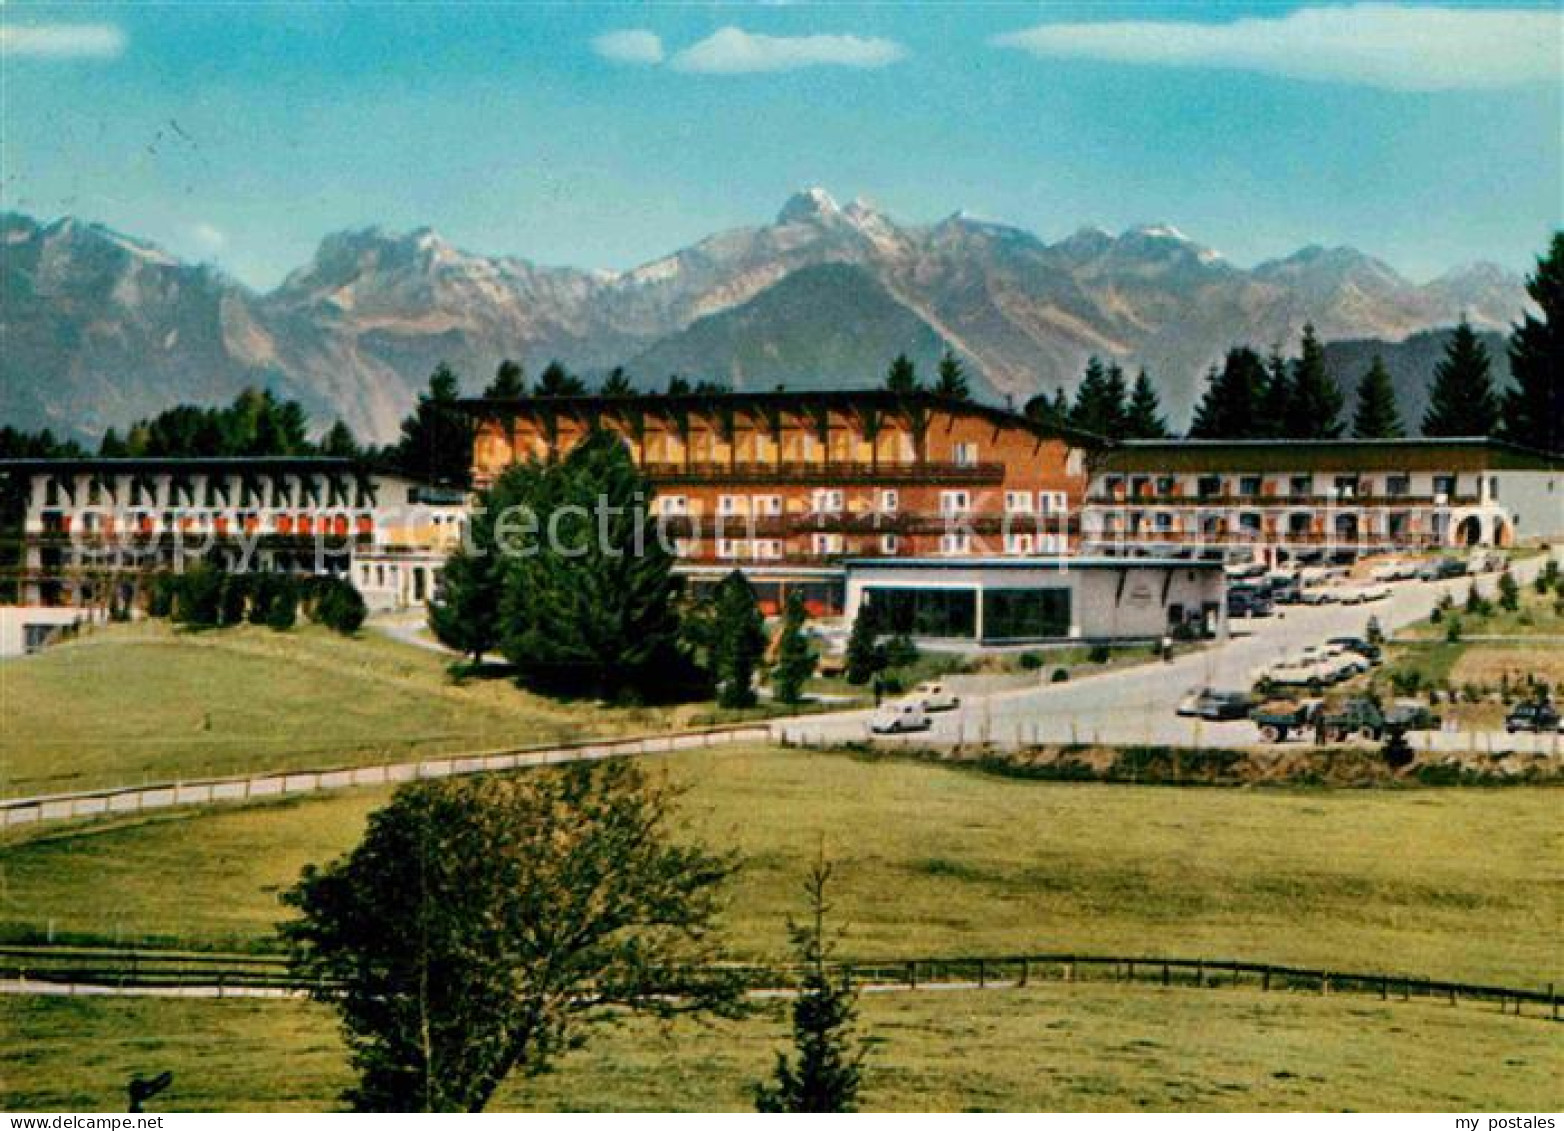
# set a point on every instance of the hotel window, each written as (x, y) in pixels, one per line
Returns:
(1163, 521)
(1075, 462)
(966, 455)
(1249, 485)
(673, 505)
(827, 543)
(1300, 485)
(94, 493)
(1165, 484)
(954, 502)
(1398, 486)
(890, 499)
(955, 544)
(1444, 485)
(1346, 486)
(826, 501)
(1209, 486)
(1051, 502)
(1493, 487)
(729, 548)
(768, 504)
(1018, 543)
(889, 544)
(1018, 502)
(768, 549)
(729, 504)
(51, 493)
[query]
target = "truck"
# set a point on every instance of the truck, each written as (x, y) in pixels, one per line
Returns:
(1279, 721)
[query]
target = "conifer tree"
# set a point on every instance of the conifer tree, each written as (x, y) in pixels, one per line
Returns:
(952, 380)
(1143, 419)
(740, 641)
(588, 605)
(1227, 410)
(557, 381)
(1534, 408)
(1273, 415)
(436, 444)
(1316, 399)
(1463, 401)
(1053, 411)
(1376, 416)
(678, 386)
(510, 382)
(865, 657)
(1099, 401)
(902, 377)
(828, 1071)
(795, 658)
(340, 442)
(617, 383)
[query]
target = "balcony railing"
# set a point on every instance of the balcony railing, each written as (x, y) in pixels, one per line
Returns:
(824, 472)
(882, 522)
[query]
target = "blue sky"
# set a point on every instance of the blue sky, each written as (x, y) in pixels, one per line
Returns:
(1426, 136)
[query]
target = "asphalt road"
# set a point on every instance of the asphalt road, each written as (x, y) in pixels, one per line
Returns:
(1137, 705)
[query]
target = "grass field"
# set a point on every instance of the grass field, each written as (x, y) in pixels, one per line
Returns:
(1449, 883)
(165, 705)
(1082, 1047)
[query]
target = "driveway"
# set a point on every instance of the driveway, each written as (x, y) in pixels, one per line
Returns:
(1136, 705)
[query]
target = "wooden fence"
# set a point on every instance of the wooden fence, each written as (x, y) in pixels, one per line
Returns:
(50, 968)
(137, 799)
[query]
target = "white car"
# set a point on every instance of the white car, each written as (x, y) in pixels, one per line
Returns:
(1361, 594)
(1394, 571)
(899, 717)
(935, 697)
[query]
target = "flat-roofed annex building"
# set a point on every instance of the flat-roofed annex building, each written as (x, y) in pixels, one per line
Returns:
(788, 486)
(94, 528)
(1286, 500)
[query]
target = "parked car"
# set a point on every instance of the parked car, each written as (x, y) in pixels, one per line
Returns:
(1396, 570)
(1216, 706)
(1278, 721)
(1370, 652)
(935, 697)
(1409, 714)
(899, 717)
(1441, 569)
(1249, 601)
(1285, 588)
(1363, 593)
(1535, 717)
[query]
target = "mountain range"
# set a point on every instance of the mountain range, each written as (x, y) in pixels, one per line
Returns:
(99, 327)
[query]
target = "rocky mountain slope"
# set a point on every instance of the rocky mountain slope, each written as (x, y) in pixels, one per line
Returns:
(99, 327)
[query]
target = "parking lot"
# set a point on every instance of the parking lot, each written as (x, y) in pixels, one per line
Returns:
(1138, 705)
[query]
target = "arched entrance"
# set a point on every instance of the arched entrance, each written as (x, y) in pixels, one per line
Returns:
(1469, 531)
(1503, 536)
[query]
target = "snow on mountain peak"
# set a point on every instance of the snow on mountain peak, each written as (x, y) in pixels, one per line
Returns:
(810, 205)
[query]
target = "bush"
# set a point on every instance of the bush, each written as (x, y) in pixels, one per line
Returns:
(900, 652)
(1030, 661)
(198, 598)
(338, 606)
(161, 593)
(282, 602)
(1099, 654)
(1061, 675)
(1453, 630)
(1397, 751)
(235, 600)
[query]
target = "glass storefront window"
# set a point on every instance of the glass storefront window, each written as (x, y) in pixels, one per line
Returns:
(1026, 614)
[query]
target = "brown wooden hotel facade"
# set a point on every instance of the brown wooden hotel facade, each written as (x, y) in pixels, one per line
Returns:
(790, 485)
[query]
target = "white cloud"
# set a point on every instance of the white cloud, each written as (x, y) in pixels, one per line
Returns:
(1383, 45)
(634, 45)
(733, 51)
(62, 41)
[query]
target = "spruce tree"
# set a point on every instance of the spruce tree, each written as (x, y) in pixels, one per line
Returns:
(1376, 416)
(1099, 401)
(617, 384)
(1534, 408)
(1228, 409)
(340, 442)
(1463, 401)
(1143, 420)
(557, 381)
(465, 614)
(1274, 414)
(865, 657)
(1316, 399)
(588, 605)
(740, 641)
(436, 443)
(952, 380)
(1053, 411)
(678, 386)
(902, 376)
(510, 382)
(828, 1071)
(795, 658)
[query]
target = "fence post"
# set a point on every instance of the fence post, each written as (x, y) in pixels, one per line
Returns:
(1025, 970)
(1324, 981)
(1384, 989)
(1131, 976)
(1265, 981)
(912, 975)
(1069, 970)
(1164, 973)
(1200, 973)
(982, 973)
(1553, 1001)
(1452, 994)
